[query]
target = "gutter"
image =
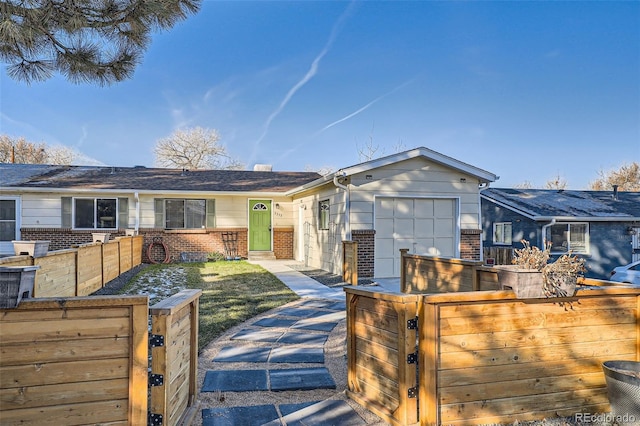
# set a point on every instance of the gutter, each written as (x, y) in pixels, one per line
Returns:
(136, 225)
(544, 232)
(347, 202)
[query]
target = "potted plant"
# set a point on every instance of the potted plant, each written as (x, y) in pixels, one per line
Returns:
(100, 237)
(32, 248)
(532, 276)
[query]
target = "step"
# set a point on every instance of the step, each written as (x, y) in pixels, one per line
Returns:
(261, 255)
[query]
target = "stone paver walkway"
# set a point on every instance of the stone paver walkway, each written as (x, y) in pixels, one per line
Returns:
(294, 335)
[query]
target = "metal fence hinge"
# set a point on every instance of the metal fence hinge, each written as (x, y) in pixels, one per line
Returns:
(156, 379)
(154, 419)
(412, 358)
(412, 392)
(412, 324)
(156, 340)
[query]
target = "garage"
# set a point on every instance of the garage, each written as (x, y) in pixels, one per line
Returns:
(422, 225)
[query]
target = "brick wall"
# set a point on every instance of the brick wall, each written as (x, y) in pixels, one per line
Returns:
(366, 239)
(62, 238)
(283, 243)
(176, 242)
(470, 244)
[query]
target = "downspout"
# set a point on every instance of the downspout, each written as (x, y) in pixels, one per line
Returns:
(544, 232)
(136, 225)
(347, 203)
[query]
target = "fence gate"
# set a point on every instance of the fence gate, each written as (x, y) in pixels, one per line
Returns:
(382, 353)
(173, 345)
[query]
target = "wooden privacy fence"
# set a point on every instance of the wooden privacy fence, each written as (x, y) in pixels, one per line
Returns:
(381, 348)
(487, 357)
(85, 360)
(74, 361)
(82, 270)
(430, 274)
(174, 358)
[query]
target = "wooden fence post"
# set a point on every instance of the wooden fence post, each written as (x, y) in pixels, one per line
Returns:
(350, 262)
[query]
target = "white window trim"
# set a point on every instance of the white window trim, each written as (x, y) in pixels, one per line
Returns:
(18, 220)
(587, 240)
(95, 219)
(502, 243)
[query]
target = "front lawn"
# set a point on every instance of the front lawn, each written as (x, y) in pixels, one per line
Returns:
(232, 292)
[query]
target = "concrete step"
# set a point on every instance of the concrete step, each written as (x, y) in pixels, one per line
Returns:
(261, 255)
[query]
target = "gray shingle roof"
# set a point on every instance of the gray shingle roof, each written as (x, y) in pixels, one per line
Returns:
(537, 203)
(148, 179)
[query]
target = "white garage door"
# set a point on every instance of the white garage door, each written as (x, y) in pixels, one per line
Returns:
(422, 225)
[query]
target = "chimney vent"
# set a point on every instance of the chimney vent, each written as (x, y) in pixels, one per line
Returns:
(262, 168)
(615, 192)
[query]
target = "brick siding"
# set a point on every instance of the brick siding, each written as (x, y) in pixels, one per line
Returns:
(177, 242)
(366, 239)
(283, 243)
(470, 244)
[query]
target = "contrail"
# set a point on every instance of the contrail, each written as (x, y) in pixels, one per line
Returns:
(309, 75)
(345, 118)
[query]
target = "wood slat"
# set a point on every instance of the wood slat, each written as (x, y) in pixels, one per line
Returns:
(100, 412)
(44, 314)
(526, 387)
(379, 352)
(13, 332)
(523, 355)
(536, 337)
(67, 350)
(62, 372)
(516, 407)
(65, 393)
(507, 372)
(525, 321)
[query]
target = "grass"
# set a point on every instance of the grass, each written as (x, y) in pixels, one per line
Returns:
(232, 292)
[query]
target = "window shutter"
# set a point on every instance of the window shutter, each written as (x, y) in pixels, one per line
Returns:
(158, 207)
(123, 213)
(211, 214)
(67, 204)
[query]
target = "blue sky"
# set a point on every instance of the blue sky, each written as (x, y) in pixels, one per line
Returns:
(526, 90)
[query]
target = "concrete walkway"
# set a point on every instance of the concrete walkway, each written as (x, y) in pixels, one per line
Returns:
(304, 286)
(301, 284)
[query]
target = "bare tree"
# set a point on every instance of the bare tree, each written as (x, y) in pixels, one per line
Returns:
(370, 150)
(557, 182)
(19, 150)
(627, 177)
(523, 185)
(61, 154)
(323, 170)
(194, 149)
(98, 41)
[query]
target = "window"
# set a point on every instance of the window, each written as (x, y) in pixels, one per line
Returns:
(502, 233)
(323, 214)
(178, 213)
(568, 236)
(7, 220)
(95, 213)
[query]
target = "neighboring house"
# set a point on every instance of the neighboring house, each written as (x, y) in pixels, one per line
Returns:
(418, 199)
(601, 226)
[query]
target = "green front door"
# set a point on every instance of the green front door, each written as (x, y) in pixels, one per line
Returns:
(259, 225)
